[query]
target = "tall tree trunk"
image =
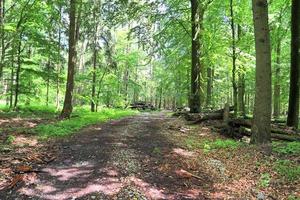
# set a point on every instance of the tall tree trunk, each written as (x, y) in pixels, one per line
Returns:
(209, 87)
(59, 61)
(293, 111)
(11, 96)
(18, 71)
(241, 81)
(94, 79)
(233, 56)
(195, 70)
(276, 96)
(241, 93)
(68, 108)
(2, 32)
(263, 92)
(48, 82)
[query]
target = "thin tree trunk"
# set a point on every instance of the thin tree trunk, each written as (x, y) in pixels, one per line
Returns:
(94, 79)
(17, 89)
(234, 84)
(48, 83)
(195, 70)
(263, 93)
(11, 85)
(68, 108)
(276, 95)
(2, 33)
(293, 110)
(209, 87)
(59, 62)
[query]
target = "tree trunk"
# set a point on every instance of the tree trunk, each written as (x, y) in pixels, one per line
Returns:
(68, 108)
(276, 96)
(48, 83)
(11, 84)
(263, 93)
(17, 89)
(241, 81)
(209, 87)
(2, 33)
(293, 110)
(233, 43)
(94, 79)
(59, 62)
(195, 70)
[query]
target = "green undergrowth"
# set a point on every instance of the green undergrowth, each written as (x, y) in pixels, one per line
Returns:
(286, 148)
(81, 118)
(28, 111)
(288, 169)
(193, 143)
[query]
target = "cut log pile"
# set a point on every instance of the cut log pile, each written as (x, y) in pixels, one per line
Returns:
(239, 127)
(142, 106)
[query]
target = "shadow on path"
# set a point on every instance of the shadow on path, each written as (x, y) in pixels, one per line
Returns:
(103, 161)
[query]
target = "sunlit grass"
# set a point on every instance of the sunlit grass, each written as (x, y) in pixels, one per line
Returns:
(82, 118)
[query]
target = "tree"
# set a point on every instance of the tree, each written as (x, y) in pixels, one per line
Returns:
(195, 70)
(263, 92)
(67, 108)
(234, 57)
(293, 110)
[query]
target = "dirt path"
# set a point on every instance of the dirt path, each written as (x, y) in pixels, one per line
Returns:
(132, 158)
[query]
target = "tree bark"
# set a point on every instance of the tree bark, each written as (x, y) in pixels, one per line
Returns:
(2, 33)
(195, 69)
(276, 96)
(293, 110)
(263, 92)
(18, 71)
(68, 108)
(94, 79)
(233, 46)
(209, 87)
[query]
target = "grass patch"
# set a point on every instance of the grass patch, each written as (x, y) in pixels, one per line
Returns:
(32, 111)
(264, 180)
(82, 119)
(193, 142)
(288, 169)
(286, 148)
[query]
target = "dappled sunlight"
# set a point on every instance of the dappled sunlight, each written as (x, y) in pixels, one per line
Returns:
(25, 140)
(67, 174)
(148, 189)
(184, 153)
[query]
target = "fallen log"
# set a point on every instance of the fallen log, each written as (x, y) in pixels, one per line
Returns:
(203, 116)
(274, 128)
(237, 128)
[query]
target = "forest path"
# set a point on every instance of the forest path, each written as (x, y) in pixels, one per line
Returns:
(132, 158)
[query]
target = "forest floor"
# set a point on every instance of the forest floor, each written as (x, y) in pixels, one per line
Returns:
(146, 156)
